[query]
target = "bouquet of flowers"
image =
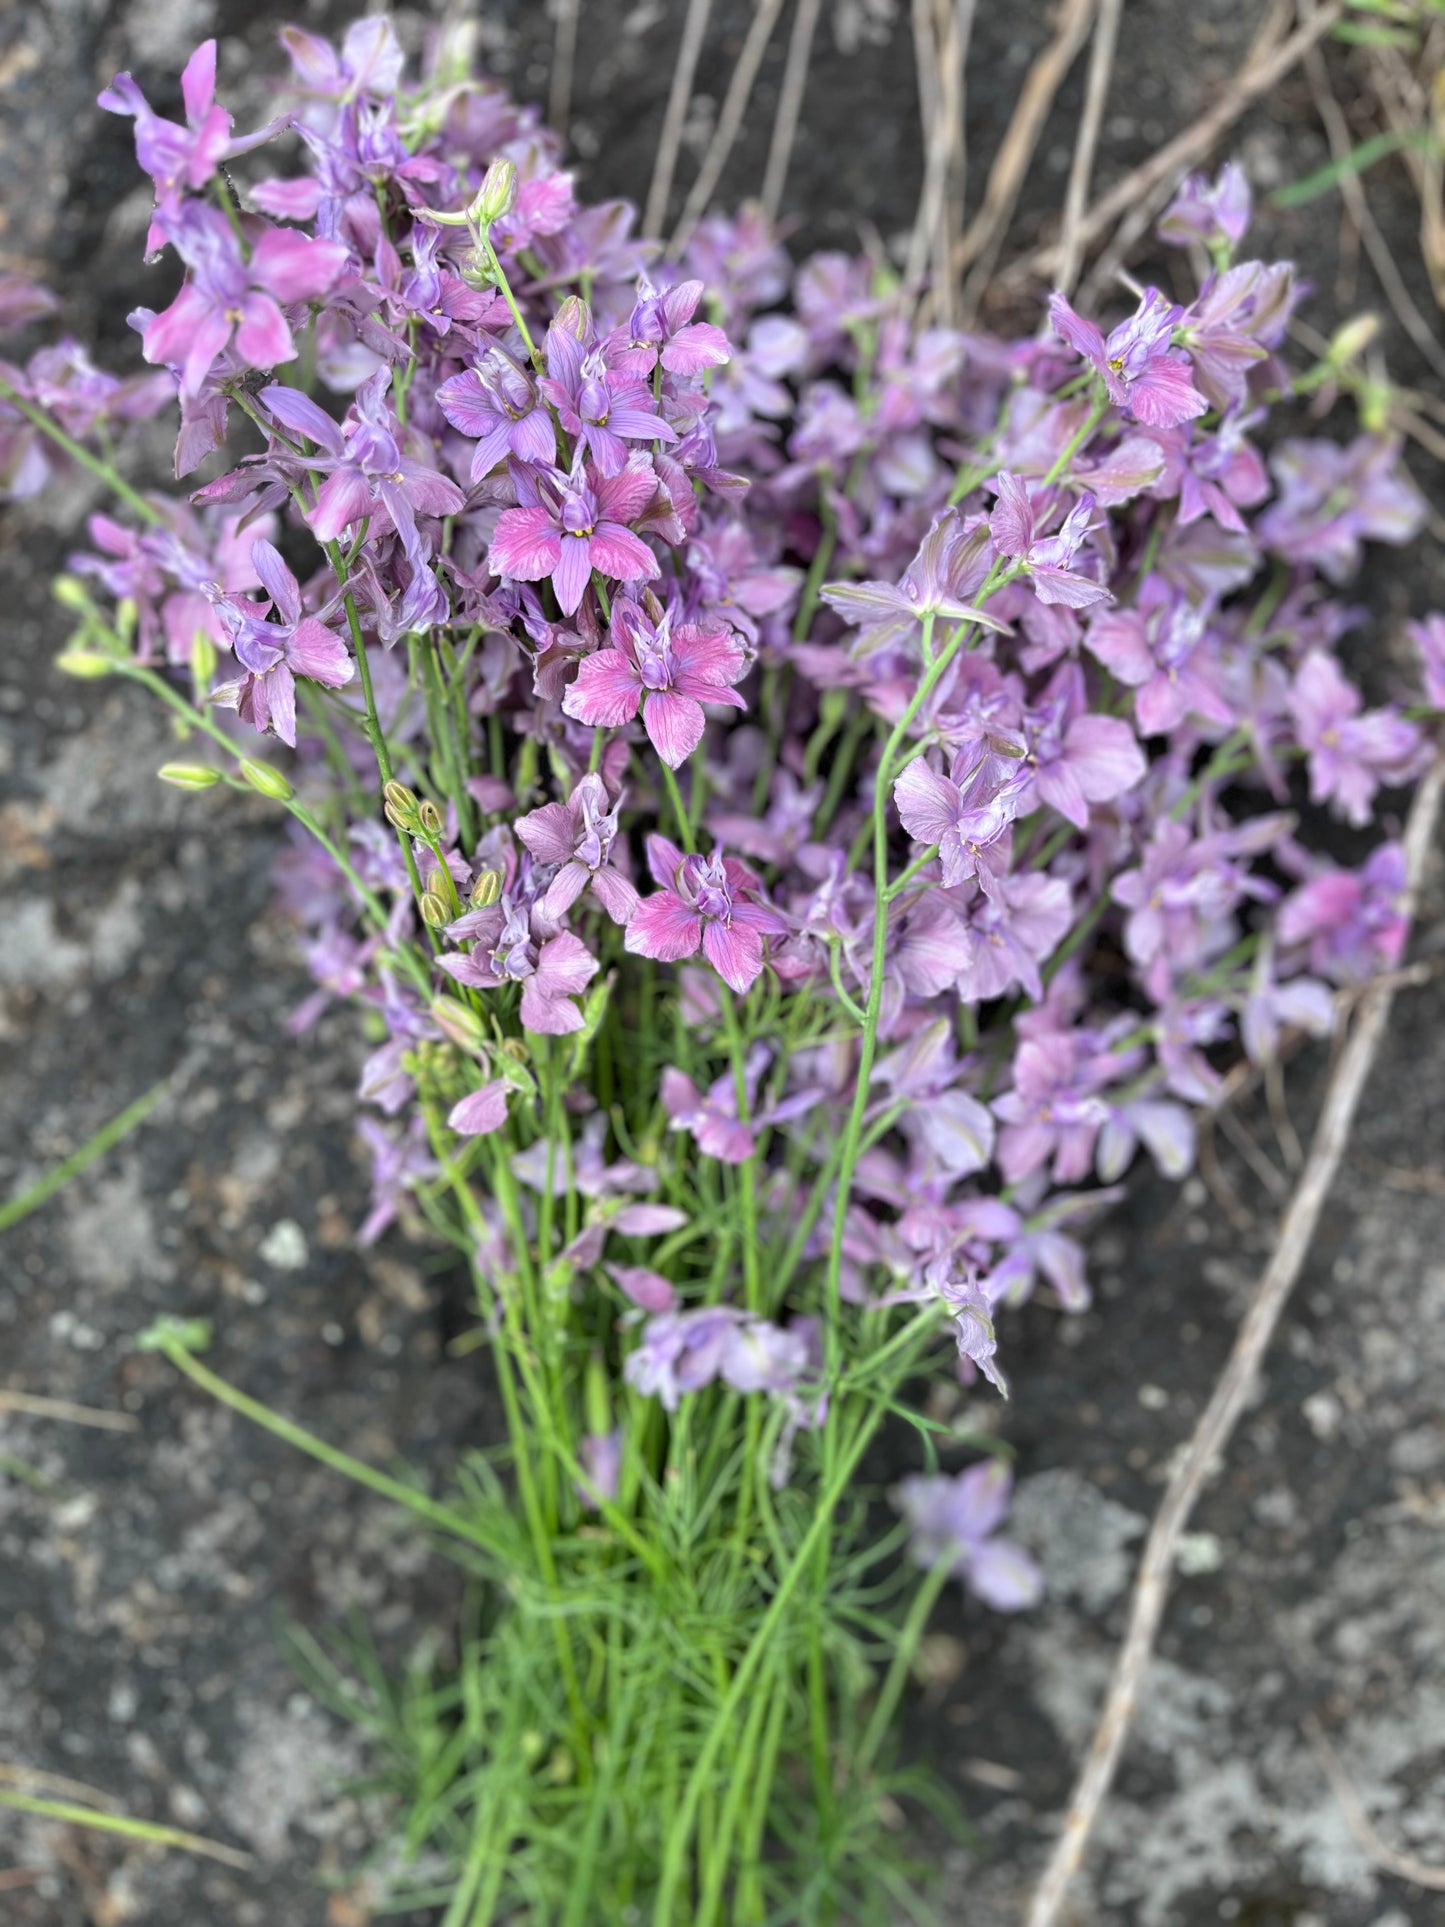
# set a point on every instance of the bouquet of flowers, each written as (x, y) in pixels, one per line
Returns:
(800, 797)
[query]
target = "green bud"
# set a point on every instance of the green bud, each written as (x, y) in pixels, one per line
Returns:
(460, 1023)
(438, 883)
(126, 618)
(486, 890)
(270, 782)
(430, 817)
(562, 1767)
(71, 593)
(87, 664)
(203, 657)
(497, 195)
(1373, 401)
(1349, 342)
(183, 1334)
(433, 910)
(189, 776)
(531, 1746)
(399, 805)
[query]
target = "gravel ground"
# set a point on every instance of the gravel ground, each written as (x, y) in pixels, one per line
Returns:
(144, 1577)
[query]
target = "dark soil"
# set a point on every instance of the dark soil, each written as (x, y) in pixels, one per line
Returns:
(144, 1578)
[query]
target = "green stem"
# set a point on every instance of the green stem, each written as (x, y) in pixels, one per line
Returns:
(104, 1140)
(440, 1516)
(77, 1816)
(924, 1600)
(102, 470)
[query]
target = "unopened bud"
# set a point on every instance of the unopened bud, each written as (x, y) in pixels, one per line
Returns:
(1374, 399)
(189, 776)
(430, 817)
(126, 617)
(486, 890)
(399, 805)
(71, 593)
(455, 1021)
(497, 195)
(433, 910)
(87, 664)
(270, 782)
(203, 657)
(437, 883)
(1348, 343)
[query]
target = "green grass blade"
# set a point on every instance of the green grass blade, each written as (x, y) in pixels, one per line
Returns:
(105, 1139)
(121, 1823)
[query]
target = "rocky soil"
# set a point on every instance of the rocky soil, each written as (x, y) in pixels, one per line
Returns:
(146, 1577)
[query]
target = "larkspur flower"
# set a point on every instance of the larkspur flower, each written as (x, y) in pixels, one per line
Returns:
(495, 403)
(967, 813)
(568, 525)
(1350, 754)
(1046, 559)
(602, 408)
(234, 299)
(955, 1521)
(1136, 364)
(272, 654)
(708, 903)
(667, 671)
(578, 837)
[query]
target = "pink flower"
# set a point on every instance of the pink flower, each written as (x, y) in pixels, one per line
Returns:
(1142, 373)
(578, 836)
(228, 295)
(669, 674)
(273, 654)
(569, 525)
(481, 1112)
(1014, 526)
(708, 902)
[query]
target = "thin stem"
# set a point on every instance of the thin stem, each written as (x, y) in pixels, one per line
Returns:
(105, 1139)
(924, 1600)
(103, 471)
(441, 1516)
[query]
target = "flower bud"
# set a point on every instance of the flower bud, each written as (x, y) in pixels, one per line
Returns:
(430, 817)
(126, 617)
(399, 805)
(497, 195)
(438, 883)
(462, 1025)
(203, 657)
(71, 593)
(189, 776)
(1349, 342)
(87, 664)
(270, 782)
(486, 890)
(433, 910)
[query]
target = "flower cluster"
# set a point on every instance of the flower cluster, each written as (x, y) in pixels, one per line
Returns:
(941, 704)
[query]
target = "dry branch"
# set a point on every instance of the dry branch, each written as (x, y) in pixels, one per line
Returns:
(1231, 1394)
(679, 94)
(790, 106)
(1096, 95)
(1391, 1860)
(1265, 66)
(984, 236)
(730, 120)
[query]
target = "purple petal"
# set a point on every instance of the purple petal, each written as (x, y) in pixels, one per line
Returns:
(481, 1112)
(674, 724)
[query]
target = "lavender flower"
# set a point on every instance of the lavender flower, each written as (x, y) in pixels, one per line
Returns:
(568, 525)
(955, 1522)
(496, 404)
(1137, 366)
(273, 654)
(709, 903)
(669, 673)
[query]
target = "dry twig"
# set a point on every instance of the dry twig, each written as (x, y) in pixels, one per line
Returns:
(1391, 1860)
(1227, 1403)
(730, 120)
(31, 1405)
(1096, 96)
(1352, 192)
(564, 62)
(1265, 66)
(790, 105)
(679, 94)
(940, 39)
(985, 233)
